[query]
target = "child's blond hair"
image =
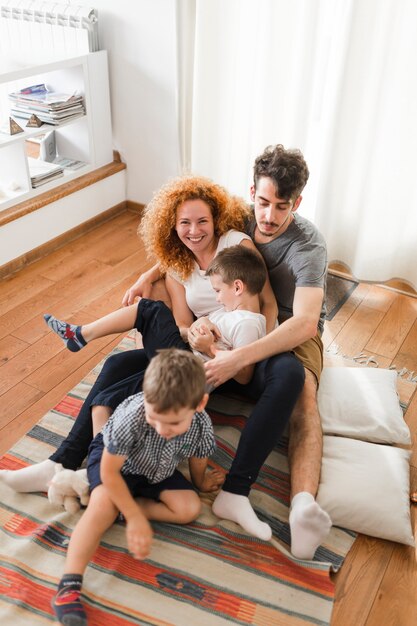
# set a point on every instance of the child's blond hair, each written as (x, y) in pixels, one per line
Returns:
(173, 380)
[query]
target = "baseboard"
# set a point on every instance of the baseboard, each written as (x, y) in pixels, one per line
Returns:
(135, 207)
(60, 191)
(53, 244)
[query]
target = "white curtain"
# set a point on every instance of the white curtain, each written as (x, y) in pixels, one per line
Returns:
(335, 78)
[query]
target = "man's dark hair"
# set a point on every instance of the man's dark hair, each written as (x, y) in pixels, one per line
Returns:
(287, 169)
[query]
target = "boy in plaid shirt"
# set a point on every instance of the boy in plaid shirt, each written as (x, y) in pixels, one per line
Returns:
(135, 456)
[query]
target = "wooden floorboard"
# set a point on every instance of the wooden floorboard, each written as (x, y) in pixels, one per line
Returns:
(88, 276)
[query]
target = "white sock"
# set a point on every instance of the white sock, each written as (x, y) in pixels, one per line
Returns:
(32, 478)
(238, 509)
(309, 525)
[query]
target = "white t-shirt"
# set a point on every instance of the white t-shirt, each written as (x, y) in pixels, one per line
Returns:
(199, 294)
(238, 328)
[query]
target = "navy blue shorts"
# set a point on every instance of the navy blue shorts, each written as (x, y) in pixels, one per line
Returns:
(138, 485)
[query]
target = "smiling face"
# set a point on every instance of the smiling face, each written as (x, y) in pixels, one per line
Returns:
(227, 295)
(195, 226)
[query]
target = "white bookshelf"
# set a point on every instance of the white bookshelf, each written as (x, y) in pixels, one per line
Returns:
(87, 138)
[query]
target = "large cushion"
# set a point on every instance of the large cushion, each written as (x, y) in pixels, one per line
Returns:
(365, 487)
(362, 403)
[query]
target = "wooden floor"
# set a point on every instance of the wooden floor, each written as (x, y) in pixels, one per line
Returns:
(377, 585)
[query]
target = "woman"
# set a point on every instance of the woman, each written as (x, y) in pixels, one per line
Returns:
(185, 225)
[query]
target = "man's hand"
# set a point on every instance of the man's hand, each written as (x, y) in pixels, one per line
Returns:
(225, 365)
(139, 536)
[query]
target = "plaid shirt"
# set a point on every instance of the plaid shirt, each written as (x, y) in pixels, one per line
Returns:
(127, 433)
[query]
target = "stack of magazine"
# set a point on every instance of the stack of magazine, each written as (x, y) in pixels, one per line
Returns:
(42, 172)
(49, 106)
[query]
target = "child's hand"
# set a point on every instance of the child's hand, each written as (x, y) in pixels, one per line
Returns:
(212, 481)
(202, 334)
(139, 536)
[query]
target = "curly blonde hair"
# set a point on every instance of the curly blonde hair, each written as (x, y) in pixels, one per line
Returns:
(157, 227)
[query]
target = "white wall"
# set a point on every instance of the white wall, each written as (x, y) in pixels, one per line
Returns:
(139, 36)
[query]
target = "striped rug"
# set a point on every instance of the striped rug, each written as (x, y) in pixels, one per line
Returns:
(209, 573)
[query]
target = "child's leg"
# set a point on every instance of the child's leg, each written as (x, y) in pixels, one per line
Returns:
(178, 506)
(97, 518)
(100, 416)
(76, 337)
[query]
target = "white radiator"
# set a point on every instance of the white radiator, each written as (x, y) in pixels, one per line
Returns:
(33, 31)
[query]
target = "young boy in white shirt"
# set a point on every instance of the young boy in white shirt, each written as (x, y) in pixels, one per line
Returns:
(237, 275)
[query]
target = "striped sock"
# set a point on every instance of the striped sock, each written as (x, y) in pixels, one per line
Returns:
(70, 333)
(67, 604)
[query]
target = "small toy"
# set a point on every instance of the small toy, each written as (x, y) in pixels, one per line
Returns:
(34, 121)
(69, 489)
(11, 127)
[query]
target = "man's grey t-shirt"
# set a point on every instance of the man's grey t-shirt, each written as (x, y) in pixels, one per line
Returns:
(297, 258)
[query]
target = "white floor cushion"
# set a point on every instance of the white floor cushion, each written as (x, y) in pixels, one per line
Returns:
(365, 487)
(362, 403)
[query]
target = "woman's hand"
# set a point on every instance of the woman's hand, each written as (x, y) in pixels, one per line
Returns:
(141, 288)
(212, 481)
(139, 535)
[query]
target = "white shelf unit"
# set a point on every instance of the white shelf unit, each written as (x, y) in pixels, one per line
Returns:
(87, 138)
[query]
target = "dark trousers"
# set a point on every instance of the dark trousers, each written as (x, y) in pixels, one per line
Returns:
(275, 386)
(121, 376)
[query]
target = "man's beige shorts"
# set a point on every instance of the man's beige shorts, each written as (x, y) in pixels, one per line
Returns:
(310, 353)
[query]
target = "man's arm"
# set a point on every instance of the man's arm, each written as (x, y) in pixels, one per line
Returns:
(269, 307)
(290, 334)
(138, 530)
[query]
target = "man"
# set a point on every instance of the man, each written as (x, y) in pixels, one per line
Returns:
(295, 254)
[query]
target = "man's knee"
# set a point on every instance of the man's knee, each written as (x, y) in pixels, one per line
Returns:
(305, 416)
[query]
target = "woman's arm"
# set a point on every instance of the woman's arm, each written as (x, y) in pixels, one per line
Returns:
(138, 530)
(269, 307)
(182, 314)
(143, 286)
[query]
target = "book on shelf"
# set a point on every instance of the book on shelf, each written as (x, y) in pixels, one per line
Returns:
(49, 106)
(42, 172)
(69, 164)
